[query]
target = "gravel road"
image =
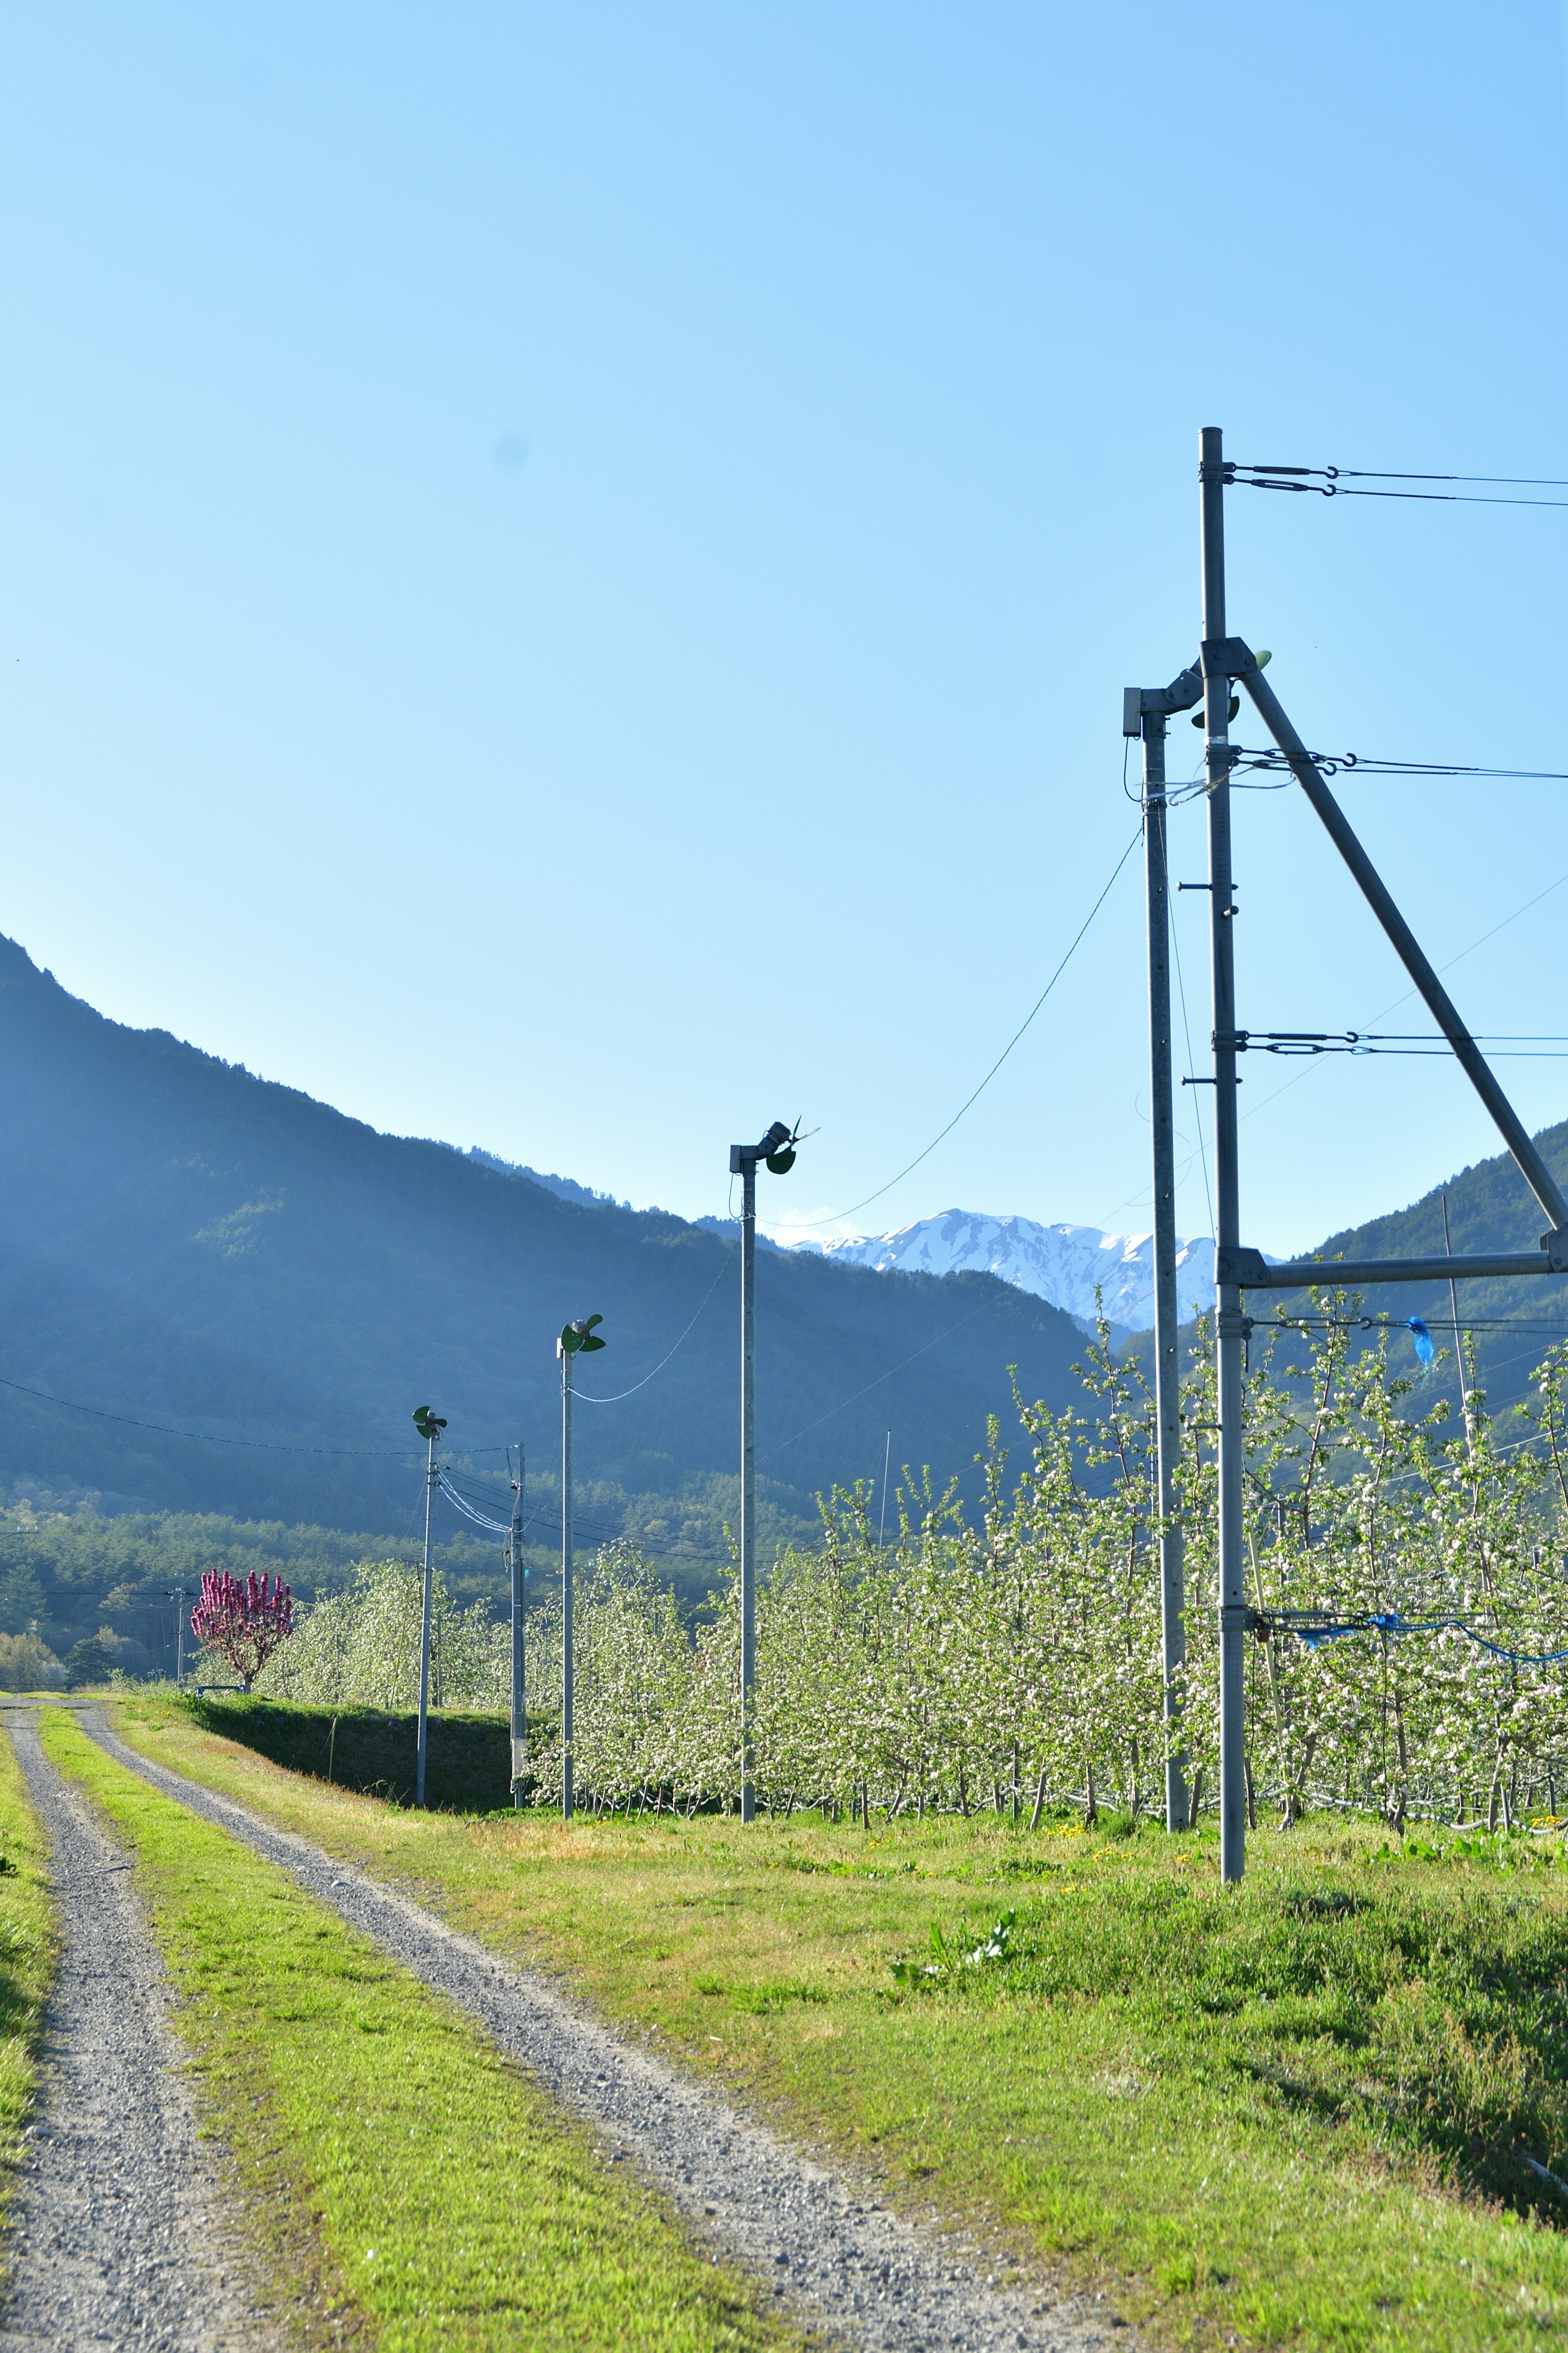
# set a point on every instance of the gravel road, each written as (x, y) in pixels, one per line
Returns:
(118, 2238)
(829, 2251)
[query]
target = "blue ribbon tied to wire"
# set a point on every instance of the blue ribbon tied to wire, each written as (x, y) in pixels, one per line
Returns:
(1423, 1339)
(1391, 1622)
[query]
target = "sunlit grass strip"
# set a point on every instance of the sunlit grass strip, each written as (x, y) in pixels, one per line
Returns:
(29, 1952)
(459, 2206)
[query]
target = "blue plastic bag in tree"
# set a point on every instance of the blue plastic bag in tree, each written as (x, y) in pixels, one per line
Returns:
(1423, 1339)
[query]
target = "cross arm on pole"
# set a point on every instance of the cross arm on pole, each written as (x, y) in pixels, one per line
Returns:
(1141, 703)
(1231, 657)
(1251, 1271)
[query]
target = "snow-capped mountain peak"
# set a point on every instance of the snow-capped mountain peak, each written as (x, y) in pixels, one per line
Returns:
(1062, 1263)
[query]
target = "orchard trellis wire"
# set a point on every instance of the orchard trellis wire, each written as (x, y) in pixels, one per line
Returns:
(1223, 663)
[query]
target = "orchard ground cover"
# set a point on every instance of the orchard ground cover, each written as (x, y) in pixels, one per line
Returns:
(1295, 2113)
(451, 2200)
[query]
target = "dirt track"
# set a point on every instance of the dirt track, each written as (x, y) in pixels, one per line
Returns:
(118, 2238)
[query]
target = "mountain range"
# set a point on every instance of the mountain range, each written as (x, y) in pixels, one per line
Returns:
(218, 1296)
(1065, 1264)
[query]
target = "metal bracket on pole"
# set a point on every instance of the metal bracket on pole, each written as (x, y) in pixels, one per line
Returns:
(1251, 1271)
(1141, 703)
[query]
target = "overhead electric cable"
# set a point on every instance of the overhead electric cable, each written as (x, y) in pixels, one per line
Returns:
(834, 1214)
(480, 1519)
(1384, 1011)
(1334, 482)
(582, 1395)
(1363, 764)
(208, 1438)
(1187, 1036)
(877, 1382)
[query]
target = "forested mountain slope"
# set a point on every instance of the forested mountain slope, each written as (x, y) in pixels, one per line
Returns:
(186, 1244)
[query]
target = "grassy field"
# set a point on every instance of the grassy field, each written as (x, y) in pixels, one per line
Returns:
(1292, 2113)
(28, 1951)
(452, 2203)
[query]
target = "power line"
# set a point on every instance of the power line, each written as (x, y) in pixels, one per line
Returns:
(207, 1438)
(582, 1395)
(1384, 1011)
(1365, 474)
(1187, 1036)
(835, 1214)
(1363, 764)
(1334, 482)
(877, 1382)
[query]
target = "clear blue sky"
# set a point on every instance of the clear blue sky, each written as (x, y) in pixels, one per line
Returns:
(568, 572)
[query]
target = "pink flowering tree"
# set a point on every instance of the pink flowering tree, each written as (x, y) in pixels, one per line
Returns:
(243, 1619)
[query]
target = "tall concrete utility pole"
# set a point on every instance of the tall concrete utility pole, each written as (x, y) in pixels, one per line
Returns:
(179, 1595)
(430, 1426)
(1144, 710)
(567, 1664)
(777, 1149)
(519, 1689)
(577, 1338)
(1227, 1203)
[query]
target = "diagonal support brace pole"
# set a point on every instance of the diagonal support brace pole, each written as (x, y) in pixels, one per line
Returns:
(1230, 658)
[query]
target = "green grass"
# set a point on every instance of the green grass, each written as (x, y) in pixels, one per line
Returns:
(29, 1952)
(1290, 2114)
(453, 2202)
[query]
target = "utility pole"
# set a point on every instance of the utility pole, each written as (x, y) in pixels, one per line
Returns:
(777, 1148)
(576, 1339)
(1144, 710)
(1459, 1346)
(1231, 1324)
(179, 1595)
(430, 1426)
(566, 1355)
(519, 1693)
(1167, 1371)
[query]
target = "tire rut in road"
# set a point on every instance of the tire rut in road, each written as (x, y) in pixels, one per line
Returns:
(117, 2236)
(832, 2252)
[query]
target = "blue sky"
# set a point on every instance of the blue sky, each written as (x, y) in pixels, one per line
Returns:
(567, 573)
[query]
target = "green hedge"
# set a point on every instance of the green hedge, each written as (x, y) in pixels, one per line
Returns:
(468, 1770)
